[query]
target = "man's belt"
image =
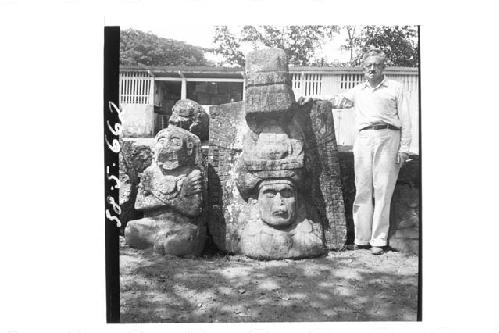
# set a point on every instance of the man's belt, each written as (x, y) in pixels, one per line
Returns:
(381, 126)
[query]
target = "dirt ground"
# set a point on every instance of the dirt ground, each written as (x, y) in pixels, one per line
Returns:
(342, 286)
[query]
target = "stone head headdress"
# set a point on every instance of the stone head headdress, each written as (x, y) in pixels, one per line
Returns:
(272, 149)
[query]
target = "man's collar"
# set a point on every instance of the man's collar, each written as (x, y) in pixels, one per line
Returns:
(382, 83)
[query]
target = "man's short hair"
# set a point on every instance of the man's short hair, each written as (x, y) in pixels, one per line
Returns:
(373, 51)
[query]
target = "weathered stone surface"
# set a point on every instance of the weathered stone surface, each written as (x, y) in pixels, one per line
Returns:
(275, 152)
(227, 125)
(191, 116)
(267, 78)
(168, 233)
(405, 219)
(302, 238)
(125, 187)
(227, 128)
(269, 99)
(326, 189)
(277, 225)
(135, 156)
(268, 88)
(170, 194)
(272, 179)
(266, 60)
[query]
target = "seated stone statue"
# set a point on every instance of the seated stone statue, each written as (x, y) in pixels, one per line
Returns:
(171, 196)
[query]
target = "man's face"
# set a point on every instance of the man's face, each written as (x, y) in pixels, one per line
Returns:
(374, 68)
(171, 152)
(277, 202)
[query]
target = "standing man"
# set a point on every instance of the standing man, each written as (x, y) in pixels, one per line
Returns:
(381, 148)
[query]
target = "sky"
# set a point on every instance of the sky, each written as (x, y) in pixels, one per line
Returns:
(202, 34)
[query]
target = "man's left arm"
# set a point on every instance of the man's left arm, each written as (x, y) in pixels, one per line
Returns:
(404, 117)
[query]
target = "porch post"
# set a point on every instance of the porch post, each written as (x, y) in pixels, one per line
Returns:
(303, 84)
(183, 86)
(244, 86)
(152, 91)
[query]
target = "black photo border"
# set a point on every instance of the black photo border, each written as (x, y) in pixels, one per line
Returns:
(112, 128)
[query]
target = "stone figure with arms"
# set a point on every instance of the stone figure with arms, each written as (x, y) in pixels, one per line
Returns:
(170, 195)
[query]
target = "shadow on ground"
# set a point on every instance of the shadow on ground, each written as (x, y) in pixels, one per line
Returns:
(343, 286)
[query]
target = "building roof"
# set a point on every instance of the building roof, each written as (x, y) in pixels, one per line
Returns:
(349, 69)
(188, 71)
(238, 72)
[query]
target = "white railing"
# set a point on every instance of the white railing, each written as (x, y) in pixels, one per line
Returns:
(136, 88)
(350, 80)
(307, 84)
(327, 84)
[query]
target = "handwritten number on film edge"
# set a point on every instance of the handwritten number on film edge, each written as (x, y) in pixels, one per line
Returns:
(116, 130)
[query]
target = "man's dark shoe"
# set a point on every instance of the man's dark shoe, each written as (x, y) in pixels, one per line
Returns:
(353, 247)
(361, 247)
(376, 250)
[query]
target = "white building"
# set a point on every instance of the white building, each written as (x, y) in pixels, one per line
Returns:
(148, 94)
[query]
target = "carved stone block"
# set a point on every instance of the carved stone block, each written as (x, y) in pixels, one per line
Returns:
(227, 128)
(321, 144)
(266, 60)
(269, 98)
(267, 78)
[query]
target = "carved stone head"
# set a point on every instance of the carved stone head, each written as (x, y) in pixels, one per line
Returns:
(191, 116)
(174, 147)
(277, 202)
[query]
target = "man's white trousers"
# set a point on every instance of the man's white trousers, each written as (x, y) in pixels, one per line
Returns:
(376, 173)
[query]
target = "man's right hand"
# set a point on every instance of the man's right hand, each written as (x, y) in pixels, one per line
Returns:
(304, 100)
(340, 102)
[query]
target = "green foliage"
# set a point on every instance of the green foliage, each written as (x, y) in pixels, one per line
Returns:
(299, 42)
(140, 48)
(398, 42)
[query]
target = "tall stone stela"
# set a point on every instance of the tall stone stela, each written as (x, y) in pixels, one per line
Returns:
(267, 199)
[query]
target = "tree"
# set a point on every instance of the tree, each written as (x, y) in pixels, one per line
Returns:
(140, 48)
(228, 46)
(399, 43)
(298, 42)
(350, 40)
